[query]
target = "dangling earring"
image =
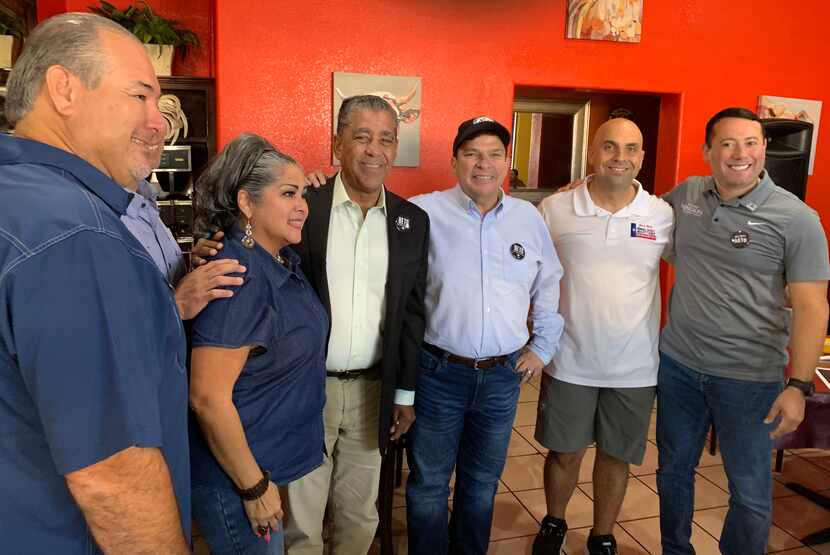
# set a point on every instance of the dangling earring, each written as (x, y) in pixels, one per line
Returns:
(248, 240)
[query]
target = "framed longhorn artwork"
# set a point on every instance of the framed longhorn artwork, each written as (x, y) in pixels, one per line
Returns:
(403, 94)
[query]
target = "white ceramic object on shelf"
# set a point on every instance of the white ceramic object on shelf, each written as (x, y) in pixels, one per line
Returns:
(7, 44)
(161, 56)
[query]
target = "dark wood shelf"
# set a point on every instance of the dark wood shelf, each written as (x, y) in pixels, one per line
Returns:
(198, 99)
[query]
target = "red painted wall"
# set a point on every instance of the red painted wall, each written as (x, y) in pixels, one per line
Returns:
(274, 64)
(196, 15)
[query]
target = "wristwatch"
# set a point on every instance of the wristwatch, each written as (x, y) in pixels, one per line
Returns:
(807, 388)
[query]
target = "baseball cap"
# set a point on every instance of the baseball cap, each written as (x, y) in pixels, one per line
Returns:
(480, 125)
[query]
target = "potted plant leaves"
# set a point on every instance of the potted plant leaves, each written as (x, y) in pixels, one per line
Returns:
(12, 30)
(159, 35)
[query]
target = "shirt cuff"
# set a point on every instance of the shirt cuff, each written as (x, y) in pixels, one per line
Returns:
(405, 397)
(544, 356)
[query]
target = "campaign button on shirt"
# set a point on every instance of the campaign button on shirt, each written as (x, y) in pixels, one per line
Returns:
(643, 231)
(740, 239)
(517, 250)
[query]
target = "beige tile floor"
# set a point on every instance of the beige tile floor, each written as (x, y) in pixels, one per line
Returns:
(520, 501)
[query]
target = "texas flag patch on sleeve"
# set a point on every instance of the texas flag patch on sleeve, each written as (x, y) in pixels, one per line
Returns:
(643, 231)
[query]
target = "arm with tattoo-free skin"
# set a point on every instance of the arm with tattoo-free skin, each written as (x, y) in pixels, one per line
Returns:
(206, 283)
(809, 326)
(128, 503)
(214, 372)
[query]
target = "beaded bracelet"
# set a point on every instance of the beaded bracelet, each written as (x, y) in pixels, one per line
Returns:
(258, 490)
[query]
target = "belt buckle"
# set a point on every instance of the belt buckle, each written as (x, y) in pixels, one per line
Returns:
(475, 363)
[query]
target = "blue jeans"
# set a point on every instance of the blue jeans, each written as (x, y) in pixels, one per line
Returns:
(221, 517)
(464, 418)
(687, 403)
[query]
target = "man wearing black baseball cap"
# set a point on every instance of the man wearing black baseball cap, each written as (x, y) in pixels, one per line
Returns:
(491, 261)
(481, 125)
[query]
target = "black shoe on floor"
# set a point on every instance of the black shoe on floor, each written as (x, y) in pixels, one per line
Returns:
(550, 537)
(602, 545)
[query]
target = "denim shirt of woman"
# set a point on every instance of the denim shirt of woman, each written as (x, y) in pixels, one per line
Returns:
(280, 392)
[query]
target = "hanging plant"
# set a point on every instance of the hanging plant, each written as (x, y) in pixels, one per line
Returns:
(11, 23)
(149, 27)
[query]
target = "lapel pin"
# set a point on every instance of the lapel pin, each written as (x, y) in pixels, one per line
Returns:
(401, 223)
(517, 251)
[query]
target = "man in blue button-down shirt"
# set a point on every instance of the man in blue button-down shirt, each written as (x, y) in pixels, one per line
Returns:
(491, 261)
(93, 388)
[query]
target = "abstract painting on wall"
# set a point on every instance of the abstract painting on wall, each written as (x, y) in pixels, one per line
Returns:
(614, 20)
(403, 94)
(793, 108)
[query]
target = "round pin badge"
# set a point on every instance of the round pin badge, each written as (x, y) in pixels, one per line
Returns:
(517, 251)
(739, 239)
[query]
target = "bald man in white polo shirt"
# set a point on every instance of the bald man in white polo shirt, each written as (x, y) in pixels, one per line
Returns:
(610, 234)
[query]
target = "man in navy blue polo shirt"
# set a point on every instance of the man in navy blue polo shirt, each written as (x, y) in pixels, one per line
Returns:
(93, 392)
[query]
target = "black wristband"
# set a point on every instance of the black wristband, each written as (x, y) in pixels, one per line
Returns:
(258, 490)
(807, 388)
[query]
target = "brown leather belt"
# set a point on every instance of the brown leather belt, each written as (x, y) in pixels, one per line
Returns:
(477, 363)
(372, 372)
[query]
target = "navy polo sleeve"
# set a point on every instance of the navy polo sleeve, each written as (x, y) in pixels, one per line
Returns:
(246, 319)
(85, 317)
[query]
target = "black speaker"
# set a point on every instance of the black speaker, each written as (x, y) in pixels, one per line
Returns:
(788, 153)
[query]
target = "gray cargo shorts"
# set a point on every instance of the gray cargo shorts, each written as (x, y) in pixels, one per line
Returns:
(571, 417)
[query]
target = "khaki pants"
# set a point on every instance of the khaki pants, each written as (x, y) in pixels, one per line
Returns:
(348, 479)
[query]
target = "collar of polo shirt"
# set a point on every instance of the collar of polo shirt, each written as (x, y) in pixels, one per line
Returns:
(584, 204)
(751, 200)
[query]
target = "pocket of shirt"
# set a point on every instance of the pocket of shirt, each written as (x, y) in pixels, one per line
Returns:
(518, 273)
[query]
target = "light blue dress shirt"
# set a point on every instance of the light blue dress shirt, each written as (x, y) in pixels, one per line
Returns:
(486, 274)
(143, 220)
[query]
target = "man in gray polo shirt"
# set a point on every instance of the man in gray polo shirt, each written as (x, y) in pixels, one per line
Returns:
(741, 243)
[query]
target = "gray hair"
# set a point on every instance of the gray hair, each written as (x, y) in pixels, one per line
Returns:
(70, 40)
(363, 102)
(248, 163)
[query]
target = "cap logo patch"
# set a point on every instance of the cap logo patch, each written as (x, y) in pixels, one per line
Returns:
(481, 119)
